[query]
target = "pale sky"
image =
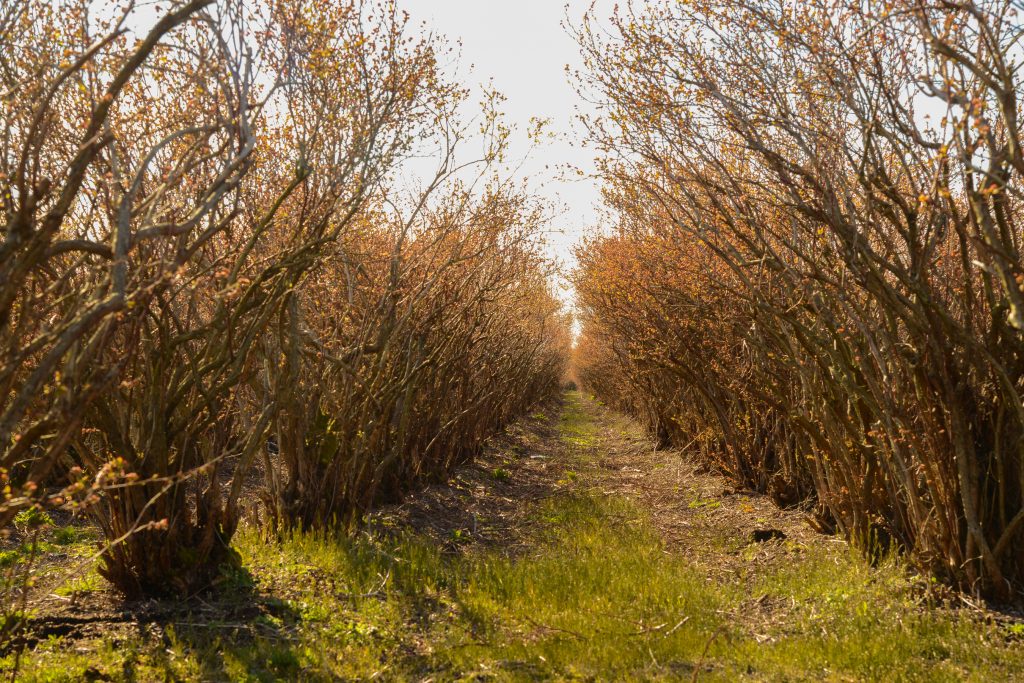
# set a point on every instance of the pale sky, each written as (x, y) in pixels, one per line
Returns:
(521, 47)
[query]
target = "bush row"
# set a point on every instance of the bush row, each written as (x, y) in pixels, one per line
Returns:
(816, 274)
(211, 268)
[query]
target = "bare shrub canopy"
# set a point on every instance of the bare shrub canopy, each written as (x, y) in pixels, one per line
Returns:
(816, 273)
(204, 268)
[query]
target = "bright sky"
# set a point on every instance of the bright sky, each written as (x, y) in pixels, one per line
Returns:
(522, 47)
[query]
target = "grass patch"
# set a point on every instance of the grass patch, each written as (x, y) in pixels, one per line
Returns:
(88, 583)
(65, 535)
(575, 426)
(704, 504)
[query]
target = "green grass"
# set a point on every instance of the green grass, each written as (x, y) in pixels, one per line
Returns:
(575, 426)
(65, 535)
(87, 583)
(600, 597)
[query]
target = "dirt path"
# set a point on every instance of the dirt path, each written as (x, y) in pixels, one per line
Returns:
(697, 512)
(582, 446)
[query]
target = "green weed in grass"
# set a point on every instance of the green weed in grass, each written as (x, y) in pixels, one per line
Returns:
(9, 557)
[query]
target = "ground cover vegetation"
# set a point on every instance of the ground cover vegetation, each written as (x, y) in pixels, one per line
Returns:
(217, 289)
(816, 275)
(595, 557)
